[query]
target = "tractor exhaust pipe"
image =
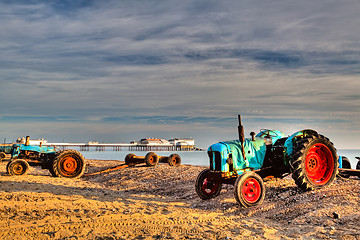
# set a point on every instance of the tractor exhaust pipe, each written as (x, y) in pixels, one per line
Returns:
(241, 136)
(252, 134)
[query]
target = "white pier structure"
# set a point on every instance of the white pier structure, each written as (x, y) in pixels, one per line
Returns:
(134, 146)
(145, 144)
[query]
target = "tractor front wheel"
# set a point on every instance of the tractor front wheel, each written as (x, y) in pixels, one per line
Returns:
(174, 160)
(17, 167)
(151, 159)
(249, 189)
(314, 162)
(207, 186)
(68, 163)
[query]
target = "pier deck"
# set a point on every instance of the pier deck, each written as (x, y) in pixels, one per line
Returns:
(120, 146)
(124, 146)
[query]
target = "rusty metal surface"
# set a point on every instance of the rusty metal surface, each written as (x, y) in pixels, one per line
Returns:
(351, 172)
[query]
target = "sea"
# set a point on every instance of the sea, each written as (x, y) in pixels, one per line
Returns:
(197, 158)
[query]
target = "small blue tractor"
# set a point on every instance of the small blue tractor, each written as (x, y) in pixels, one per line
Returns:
(61, 163)
(310, 157)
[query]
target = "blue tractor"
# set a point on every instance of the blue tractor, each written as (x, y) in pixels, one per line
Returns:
(60, 163)
(309, 156)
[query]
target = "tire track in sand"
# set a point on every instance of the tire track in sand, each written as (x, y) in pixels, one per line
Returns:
(112, 222)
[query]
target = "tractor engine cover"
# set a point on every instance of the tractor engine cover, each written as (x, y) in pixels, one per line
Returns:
(227, 156)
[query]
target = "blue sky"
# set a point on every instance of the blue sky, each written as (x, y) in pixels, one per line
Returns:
(116, 71)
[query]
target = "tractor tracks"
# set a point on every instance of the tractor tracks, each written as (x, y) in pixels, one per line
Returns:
(116, 223)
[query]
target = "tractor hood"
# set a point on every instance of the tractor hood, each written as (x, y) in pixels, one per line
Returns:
(289, 143)
(226, 155)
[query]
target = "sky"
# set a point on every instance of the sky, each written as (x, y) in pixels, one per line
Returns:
(117, 71)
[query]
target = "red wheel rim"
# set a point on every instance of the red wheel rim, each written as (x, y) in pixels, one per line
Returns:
(251, 190)
(68, 165)
(209, 186)
(319, 164)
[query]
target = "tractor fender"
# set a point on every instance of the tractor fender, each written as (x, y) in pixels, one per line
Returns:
(290, 141)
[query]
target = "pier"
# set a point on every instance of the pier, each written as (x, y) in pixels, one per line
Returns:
(145, 144)
(124, 147)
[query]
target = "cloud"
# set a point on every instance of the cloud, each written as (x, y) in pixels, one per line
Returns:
(179, 63)
(136, 60)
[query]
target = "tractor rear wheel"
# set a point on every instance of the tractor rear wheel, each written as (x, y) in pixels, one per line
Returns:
(17, 167)
(314, 162)
(249, 189)
(358, 167)
(129, 159)
(68, 163)
(174, 160)
(207, 186)
(345, 165)
(151, 159)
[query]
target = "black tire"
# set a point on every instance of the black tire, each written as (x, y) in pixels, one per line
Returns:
(52, 171)
(2, 155)
(345, 165)
(129, 159)
(314, 162)
(17, 167)
(249, 189)
(68, 163)
(151, 159)
(206, 186)
(174, 160)
(358, 166)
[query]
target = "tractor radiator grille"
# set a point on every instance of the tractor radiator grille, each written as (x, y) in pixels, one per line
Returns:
(215, 160)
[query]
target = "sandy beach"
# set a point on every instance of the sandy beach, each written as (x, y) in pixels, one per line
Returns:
(160, 203)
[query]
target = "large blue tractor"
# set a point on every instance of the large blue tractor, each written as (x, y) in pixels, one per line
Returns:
(309, 156)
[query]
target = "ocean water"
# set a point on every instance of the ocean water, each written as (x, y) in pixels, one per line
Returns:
(198, 158)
